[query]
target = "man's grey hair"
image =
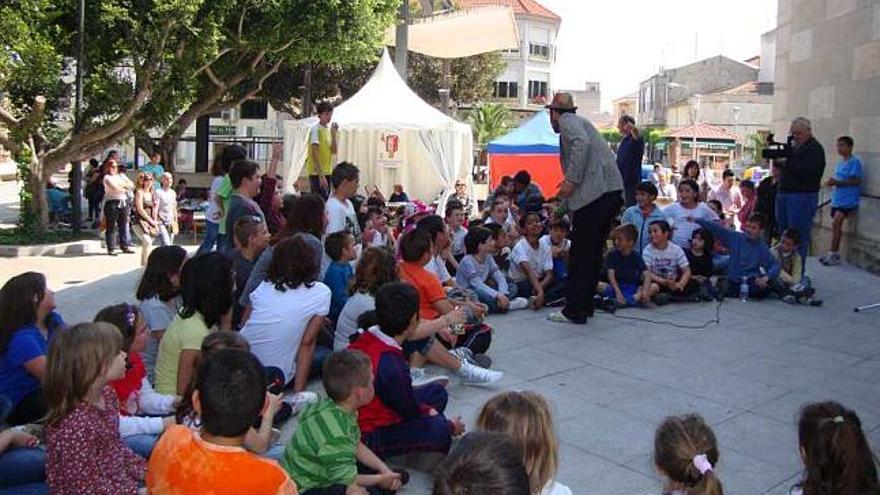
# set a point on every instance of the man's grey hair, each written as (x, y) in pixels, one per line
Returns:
(802, 123)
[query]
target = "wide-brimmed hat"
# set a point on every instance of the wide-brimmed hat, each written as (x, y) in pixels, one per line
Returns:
(562, 101)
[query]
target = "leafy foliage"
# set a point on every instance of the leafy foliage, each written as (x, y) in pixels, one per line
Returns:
(489, 121)
(160, 63)
(611, 135)
(471, 78)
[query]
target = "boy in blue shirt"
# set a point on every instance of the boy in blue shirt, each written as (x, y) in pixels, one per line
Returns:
(643, 213)
(750, 258)
(625, 269)
(845, 198)
(340, 247)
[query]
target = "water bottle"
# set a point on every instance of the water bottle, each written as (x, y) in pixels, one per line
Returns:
(744, 289)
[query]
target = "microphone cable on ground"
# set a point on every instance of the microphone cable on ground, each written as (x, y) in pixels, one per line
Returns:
(703, 326)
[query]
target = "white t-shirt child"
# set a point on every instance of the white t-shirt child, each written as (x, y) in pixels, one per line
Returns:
(682, 228)
(665, 263)
(278, 322)
(540, 259)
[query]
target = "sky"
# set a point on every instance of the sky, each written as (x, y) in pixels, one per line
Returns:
(621, 43)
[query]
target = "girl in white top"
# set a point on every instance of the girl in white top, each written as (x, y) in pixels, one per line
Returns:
(526, 419)
(685, 455)
(288, 312)
(682, 215)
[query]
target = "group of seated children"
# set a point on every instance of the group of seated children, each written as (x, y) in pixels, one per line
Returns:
(687, 252)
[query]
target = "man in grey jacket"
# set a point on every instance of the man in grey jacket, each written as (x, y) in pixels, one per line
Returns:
(592, 190)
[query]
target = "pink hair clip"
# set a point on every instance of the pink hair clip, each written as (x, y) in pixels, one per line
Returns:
(701, 462)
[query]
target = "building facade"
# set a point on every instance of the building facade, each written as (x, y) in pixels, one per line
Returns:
(626, 105)
(671, 86)
(828, 70)
(526, 83)
(588, 100)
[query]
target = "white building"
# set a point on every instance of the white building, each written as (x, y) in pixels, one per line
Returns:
(526, 83)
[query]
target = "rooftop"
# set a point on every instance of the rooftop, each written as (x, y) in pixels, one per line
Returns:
(704, 131)
(751, 88)
(529, 7)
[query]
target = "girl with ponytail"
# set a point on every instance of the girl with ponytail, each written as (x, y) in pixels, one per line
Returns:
(836, 456)
(686, 453)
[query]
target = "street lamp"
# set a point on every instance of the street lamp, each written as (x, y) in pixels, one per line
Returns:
(697, 98)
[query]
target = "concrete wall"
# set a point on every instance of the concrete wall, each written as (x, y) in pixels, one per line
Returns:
(704, 77)
(828, 69)
(755, 113)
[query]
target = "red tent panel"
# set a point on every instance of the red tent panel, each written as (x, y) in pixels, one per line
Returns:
(544, 169)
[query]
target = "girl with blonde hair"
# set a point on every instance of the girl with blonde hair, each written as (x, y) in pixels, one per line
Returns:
(525, 417)
(84, 453)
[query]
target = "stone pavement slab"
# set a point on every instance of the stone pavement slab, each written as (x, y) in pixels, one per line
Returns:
(612, 381)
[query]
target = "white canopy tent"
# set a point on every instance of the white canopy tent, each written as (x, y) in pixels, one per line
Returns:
(428, 149)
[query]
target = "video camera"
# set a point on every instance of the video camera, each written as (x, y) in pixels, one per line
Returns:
(774, 150)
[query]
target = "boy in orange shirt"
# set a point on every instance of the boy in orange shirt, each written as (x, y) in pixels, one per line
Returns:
(229, 395)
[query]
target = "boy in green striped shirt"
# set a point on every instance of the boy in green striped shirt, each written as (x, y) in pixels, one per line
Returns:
(324, 452)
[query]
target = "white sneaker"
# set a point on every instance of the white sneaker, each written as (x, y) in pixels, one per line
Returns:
(421, 377)
(832, 260)
(474, 375)
(518, 303)
(299, 400)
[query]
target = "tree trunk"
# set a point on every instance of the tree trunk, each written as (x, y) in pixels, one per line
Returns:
(38, 206)
(168, 148)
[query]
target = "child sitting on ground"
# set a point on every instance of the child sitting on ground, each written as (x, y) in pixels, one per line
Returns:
(482, 463)
(229, 395)
(455, 218)
(531, 264)
(835, 452)
(685, 454)
(525, 418)
(643, 213)
(259, 438)
(625, 270)
(251, 239)
(325, 450)
(340, 247)
(789, 285)
(377, 232)
(502, 246)
(559, 244)
(478, 269)
(750, 258)
(400, 418)
(84, 452)
(699, 257)
(668, 274)
(137, 399)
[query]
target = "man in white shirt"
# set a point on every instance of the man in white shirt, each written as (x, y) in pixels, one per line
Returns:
(728, 194)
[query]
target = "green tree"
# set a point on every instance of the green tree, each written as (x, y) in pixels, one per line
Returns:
(611, 135)
(158, 64)
(755, 144)
(489, 121)
(471, 78)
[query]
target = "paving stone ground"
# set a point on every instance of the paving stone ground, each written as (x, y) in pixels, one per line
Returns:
(612, 381)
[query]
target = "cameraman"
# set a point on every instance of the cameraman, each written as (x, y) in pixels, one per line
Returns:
(798, 196)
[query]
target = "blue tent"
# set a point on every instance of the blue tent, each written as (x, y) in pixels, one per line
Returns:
(535, 136)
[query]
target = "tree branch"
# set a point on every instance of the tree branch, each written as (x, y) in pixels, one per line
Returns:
(8, 119)
(212, 62)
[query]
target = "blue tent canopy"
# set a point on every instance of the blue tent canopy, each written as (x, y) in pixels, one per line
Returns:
(534, 136)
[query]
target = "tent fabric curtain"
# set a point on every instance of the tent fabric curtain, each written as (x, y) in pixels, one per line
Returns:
(441, 152)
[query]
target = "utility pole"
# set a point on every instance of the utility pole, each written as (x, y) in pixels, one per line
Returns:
(402, 47)
(77, 119)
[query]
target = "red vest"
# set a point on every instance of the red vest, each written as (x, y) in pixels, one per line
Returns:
(375, 415)
(129, 385)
